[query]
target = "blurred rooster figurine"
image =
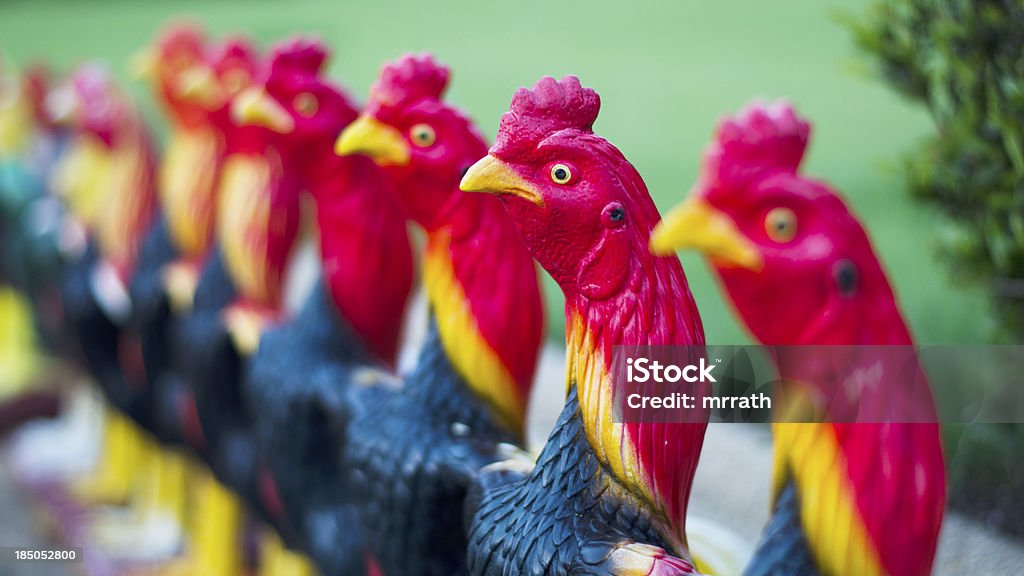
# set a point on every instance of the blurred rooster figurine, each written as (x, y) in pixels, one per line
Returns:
(257, 219)
(355, 313)
(186, 181)
(604, 497)
(29, 146)
(107, 179)
(256, 227)
(408, 452)
(424, 147)
(40, 237)
(195, 82)
(849, 498)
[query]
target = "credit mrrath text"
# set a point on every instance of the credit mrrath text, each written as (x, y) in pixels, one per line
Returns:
(644, 370)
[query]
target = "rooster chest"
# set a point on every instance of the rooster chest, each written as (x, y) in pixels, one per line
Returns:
(559, 518)
(415, 454)
(409, 475)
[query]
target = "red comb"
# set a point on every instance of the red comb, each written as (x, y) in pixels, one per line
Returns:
(409, 79)
(181, 36)
(232, 49)
(762, 138)
(550, 106)
(92, 78)
(300, 56)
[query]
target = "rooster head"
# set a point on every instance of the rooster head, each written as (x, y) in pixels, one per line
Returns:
(781, 243)
(177, 49)
(580, 205)
(91, 104)
(212, 83)
(424, 144)
(295, 101)
(585, 214)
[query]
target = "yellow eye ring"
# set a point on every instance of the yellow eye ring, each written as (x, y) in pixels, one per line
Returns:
(780, 224)
(560, 174)
(306, 105)
(422, 135)
(235, 80)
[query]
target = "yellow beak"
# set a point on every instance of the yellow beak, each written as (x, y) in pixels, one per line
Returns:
(199, 85)
(370, 137)
(696, 224)
(254, 107)
(143, 64)
(492, 175)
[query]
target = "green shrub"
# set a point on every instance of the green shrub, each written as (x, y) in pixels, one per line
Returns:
(964, 61)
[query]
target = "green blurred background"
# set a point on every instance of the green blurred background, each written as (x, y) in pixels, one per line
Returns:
(666, 72)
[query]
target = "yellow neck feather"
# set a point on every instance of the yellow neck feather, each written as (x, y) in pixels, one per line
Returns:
(81, 178)
(243, 214)
(187, 180)
(810, 454)
(469, 352)
(586, 368)
(128, 195)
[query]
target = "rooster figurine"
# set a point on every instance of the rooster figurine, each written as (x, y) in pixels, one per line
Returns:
(407, 452)
(197, 83)
(41, 237)
(31, 146)
(849, 498)
(187, 76)
(256, 225)
(186, 180)
(355, 313)
(406, 130)
(107, 179)
(604, 497)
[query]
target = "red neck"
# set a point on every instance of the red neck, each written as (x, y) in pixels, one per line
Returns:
(367, 258)
(477, 270)
(655, 461)
(131, 199)
(496, 274)
(832, 318)
(845, 322)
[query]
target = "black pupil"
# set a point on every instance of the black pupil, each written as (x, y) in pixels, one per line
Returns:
(617, 214)
(422, 135)
(561, 174)
(846, 277)
(781, 225)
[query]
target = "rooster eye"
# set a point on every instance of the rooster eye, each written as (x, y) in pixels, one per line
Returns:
(560, 174)
(306, 105)
(613, 215)
(846, 278)
(235, 80)
(780, 224)
(422, 135)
